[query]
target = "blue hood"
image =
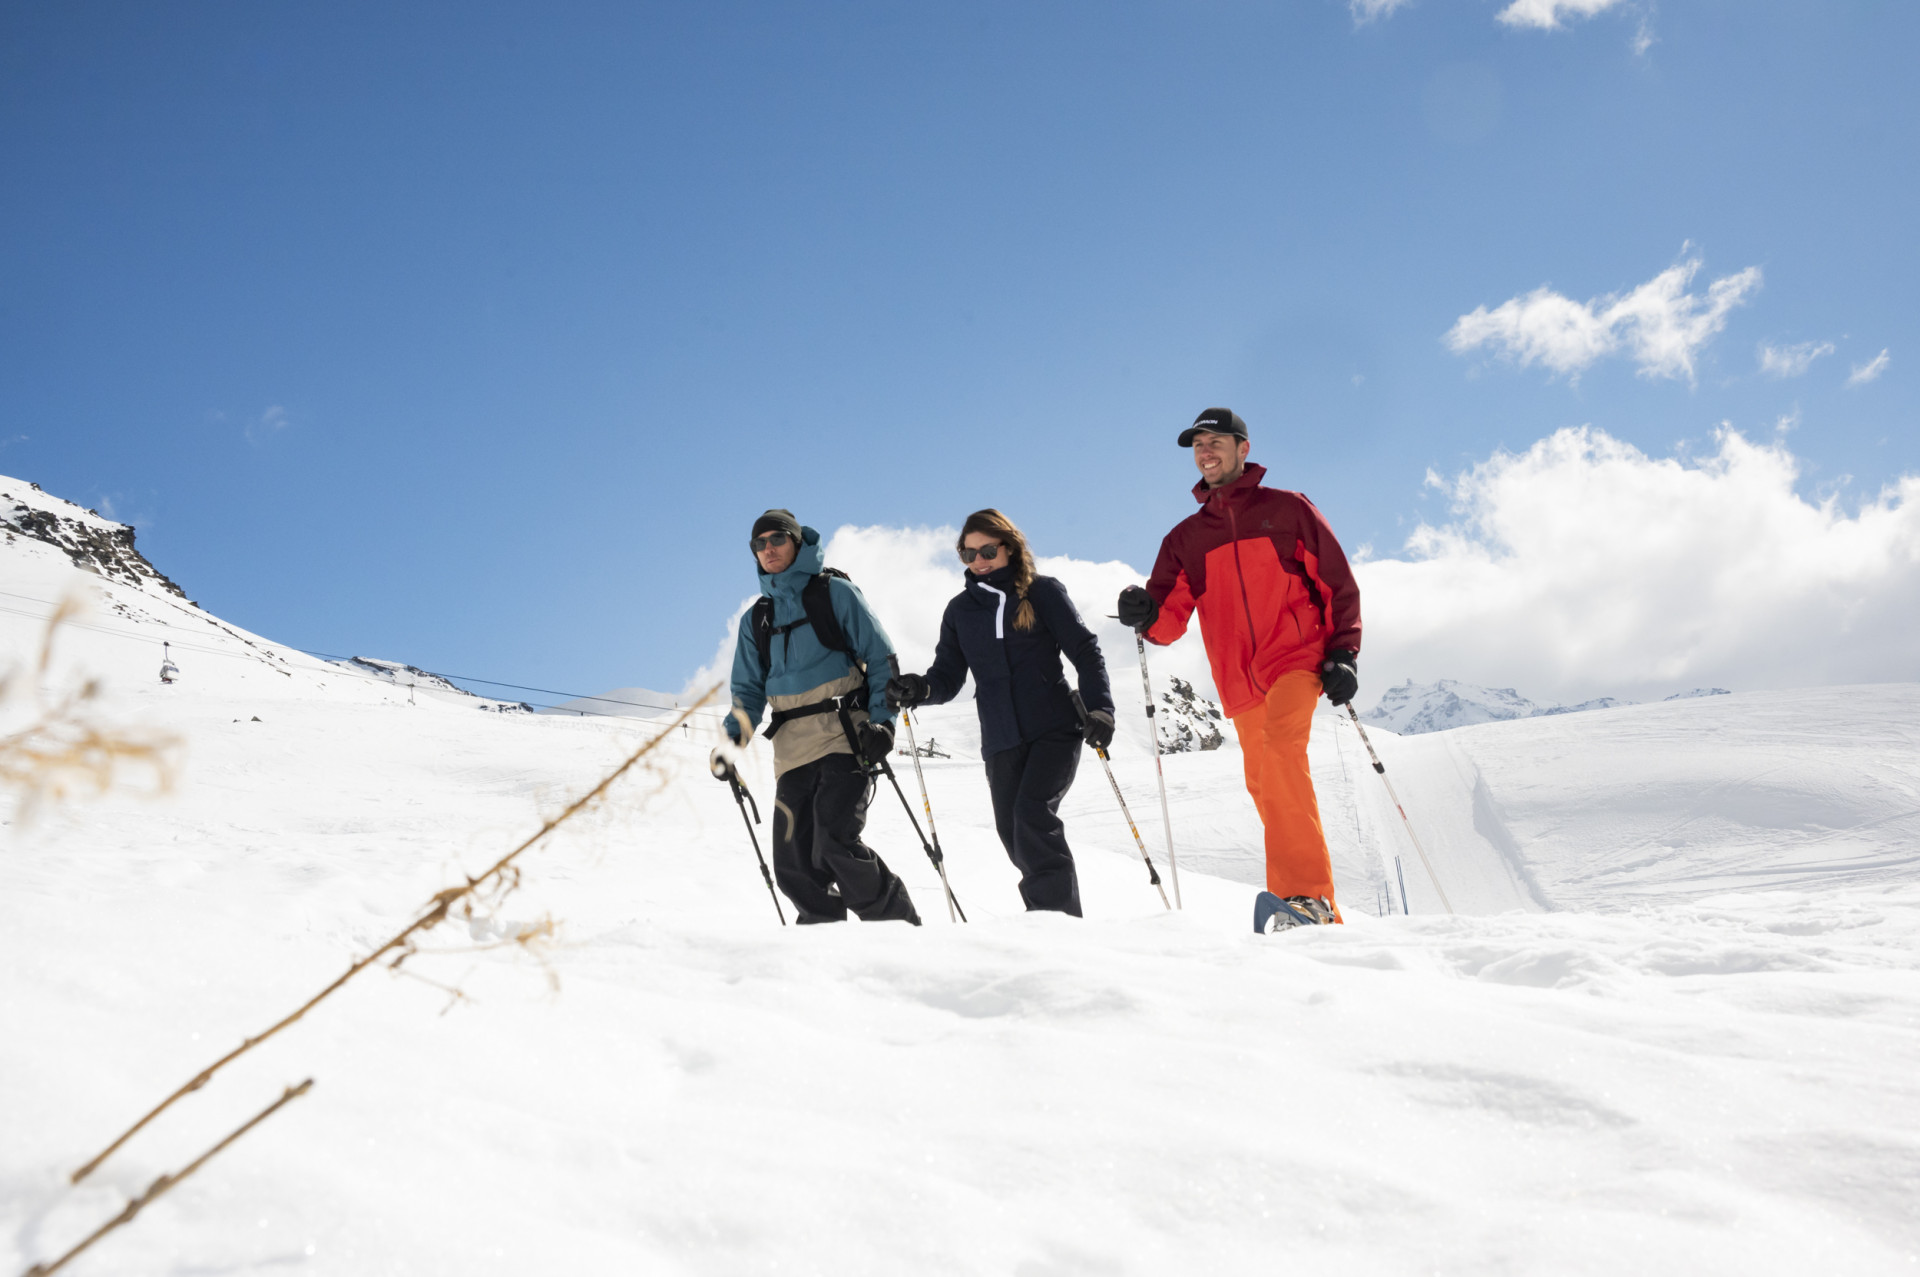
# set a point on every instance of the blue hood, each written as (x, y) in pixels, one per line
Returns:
(788, 584)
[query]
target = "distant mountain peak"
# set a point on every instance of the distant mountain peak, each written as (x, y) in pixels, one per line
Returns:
(1414, 708)
(413, 677)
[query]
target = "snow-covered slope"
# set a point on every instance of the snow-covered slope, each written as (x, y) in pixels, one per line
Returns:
(1706, 1062)
(1754, 791)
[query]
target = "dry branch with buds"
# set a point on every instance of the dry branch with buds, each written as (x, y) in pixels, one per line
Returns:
(501, 877)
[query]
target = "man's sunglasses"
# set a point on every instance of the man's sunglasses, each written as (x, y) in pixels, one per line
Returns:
(989, 552)
(772, 538)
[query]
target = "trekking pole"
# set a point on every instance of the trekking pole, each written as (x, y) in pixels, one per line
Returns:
(933, 848)
(1381, 768)
(724, 770)
(1153, 727)
(1153, 875)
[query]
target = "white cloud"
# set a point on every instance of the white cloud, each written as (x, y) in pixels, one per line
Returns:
(1869, 371)
(1365, 11)
(1584, 567)
(1792, 361)
(267, 424)
(1660, 325)
(1545, 15)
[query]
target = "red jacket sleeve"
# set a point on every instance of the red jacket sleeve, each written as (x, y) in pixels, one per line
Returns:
(1321, 553)
(1173, 592)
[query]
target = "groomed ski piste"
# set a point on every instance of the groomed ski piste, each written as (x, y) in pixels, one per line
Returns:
(1672, 1025)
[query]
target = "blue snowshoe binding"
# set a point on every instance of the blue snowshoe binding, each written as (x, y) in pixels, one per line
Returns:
(1271, 913)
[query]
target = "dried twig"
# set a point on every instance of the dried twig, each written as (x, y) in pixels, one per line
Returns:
(60, 750)
(455, 994)
(165, 1182)
(432, 914)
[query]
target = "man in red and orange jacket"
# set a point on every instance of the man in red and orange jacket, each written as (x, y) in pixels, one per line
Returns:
(1280, 614)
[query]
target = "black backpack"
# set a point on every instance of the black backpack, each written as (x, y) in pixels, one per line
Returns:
(817, 598)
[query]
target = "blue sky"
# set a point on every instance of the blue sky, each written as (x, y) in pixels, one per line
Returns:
(475, 336)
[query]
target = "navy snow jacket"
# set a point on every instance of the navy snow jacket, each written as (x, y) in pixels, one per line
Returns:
(1019, 687)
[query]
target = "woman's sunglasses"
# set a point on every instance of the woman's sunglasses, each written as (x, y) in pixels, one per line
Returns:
(990, 551)
(772, 538)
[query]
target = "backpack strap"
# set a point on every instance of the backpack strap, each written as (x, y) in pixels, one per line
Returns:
(817, 598)
(762, 627)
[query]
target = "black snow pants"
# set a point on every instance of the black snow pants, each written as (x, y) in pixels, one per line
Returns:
(1028, 782)
(818, 858)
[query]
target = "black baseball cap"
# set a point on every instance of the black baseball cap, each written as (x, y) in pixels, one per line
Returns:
(1219, 421)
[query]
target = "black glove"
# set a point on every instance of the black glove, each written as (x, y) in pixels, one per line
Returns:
(876, 741)
(904, 691)
(1338, 677)
(1098, 729)
(1137, 607)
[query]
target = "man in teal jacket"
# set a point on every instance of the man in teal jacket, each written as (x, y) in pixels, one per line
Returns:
(830, 717)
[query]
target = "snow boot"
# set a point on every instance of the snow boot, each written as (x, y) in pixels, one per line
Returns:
(1271, 913)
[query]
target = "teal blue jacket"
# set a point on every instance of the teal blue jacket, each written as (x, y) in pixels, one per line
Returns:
(798, 664)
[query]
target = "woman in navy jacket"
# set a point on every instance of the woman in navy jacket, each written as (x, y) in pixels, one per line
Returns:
(1010, 627)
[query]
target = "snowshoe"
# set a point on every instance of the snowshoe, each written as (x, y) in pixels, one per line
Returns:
(1271, 913)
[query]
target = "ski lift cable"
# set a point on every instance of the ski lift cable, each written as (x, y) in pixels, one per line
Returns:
(519, 687)
(336, 659)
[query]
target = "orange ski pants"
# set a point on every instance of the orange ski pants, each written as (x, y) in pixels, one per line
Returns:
(1273, 742)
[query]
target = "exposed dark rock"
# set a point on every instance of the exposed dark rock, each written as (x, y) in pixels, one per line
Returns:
(1189, 722)
(107, 551)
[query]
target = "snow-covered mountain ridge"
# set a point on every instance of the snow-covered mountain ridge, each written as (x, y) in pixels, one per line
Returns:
(1415, 708)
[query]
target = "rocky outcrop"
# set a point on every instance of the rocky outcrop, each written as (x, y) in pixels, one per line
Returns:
(1189, 722)
(94, 543)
